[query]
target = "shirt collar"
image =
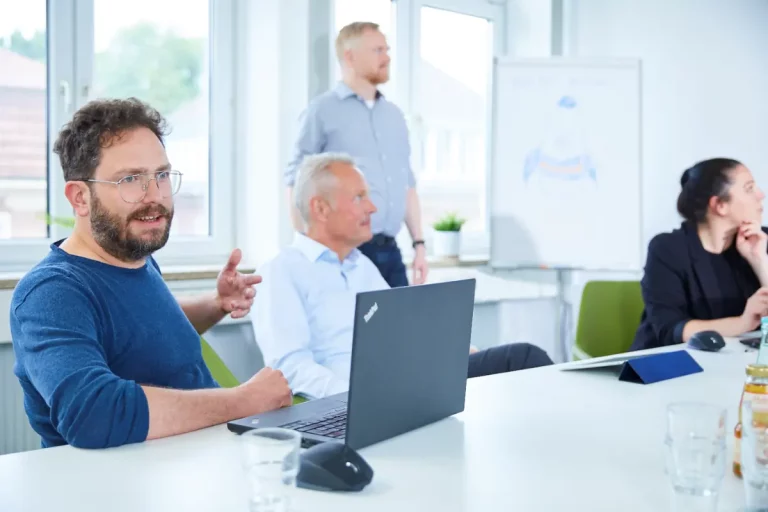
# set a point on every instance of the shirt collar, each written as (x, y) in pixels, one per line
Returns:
(315, 251)
(343, 91)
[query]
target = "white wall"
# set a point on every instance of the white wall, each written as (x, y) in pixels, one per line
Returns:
(704, 83)
(529, 27)
(279, 71)
(705, 80)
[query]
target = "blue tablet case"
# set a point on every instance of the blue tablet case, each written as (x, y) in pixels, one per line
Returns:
(658, 367)
(643, 369)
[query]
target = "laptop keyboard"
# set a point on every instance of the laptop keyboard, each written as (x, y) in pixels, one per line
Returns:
(331, 424)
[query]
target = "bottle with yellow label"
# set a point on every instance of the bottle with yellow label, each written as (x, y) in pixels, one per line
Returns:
(755, 390)
(762, 353)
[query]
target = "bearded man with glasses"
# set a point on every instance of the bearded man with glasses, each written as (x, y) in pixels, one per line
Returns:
(105, 354)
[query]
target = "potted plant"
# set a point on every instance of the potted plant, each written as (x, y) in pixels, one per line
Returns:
(447, 240)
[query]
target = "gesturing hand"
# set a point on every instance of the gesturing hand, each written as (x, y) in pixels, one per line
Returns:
(235, 291)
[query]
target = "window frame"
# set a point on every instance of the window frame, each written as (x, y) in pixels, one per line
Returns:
(17, 254)
(70, 70)
(408, 28)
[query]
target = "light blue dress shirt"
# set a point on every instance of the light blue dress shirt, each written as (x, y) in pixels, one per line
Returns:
(304, 312)
(376, 137)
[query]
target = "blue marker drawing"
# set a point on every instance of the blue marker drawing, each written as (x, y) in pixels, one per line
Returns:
(566, 102)
(563, 155)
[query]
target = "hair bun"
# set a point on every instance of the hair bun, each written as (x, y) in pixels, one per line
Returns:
(700, 183)
(685, 177)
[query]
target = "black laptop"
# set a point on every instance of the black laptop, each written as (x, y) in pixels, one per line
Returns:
(410, 354)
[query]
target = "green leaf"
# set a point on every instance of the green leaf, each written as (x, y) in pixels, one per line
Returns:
(449, 222)
(153, 64)
(67, 222)
(35, 48)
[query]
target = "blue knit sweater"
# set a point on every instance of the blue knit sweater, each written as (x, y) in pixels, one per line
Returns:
(86, 335)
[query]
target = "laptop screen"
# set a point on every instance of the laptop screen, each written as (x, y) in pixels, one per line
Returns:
(409, 359)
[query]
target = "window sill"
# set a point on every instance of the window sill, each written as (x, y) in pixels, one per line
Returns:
(9, 280)
(469, 260)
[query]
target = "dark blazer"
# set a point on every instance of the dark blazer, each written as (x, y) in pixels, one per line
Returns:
(679, 285)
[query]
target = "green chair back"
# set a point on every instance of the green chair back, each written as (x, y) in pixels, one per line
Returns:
(221, 373)
(609, 316)
(216, 366)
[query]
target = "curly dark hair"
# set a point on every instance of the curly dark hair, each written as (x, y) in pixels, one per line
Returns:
(98, 125)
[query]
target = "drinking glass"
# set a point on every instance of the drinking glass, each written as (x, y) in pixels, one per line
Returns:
(271, 460)
(695, 455)
(754, 455)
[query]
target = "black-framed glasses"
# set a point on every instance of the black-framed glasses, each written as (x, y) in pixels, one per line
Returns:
(133, 188)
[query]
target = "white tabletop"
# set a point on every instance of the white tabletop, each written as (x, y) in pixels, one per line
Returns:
(538, 440)
(490, 288)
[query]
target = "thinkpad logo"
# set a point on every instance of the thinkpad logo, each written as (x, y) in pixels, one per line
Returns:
(371, 311)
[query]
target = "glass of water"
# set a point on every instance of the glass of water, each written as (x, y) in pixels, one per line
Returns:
(754, 455)
(271, 460)
(695, 455)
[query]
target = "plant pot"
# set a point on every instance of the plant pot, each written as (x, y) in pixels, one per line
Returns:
(446, 244)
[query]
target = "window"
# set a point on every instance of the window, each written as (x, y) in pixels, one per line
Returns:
(377, 11)
(146, 50)
(449, 109)
(56, 56)
(441, 61)
(23, 126)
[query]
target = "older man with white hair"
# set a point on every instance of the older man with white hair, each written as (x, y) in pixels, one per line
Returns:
(304, 311)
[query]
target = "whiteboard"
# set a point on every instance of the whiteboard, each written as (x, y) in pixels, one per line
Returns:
(565, 164)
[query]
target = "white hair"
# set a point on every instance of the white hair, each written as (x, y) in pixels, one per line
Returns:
(315, 178)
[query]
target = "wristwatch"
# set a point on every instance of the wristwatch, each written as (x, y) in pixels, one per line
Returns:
(418, 242)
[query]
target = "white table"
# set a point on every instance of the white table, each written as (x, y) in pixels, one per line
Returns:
(539, 440)
(491, 289)
(509, 309)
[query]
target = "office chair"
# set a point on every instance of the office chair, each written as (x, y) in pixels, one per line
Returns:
(221, 373)
(609, 316)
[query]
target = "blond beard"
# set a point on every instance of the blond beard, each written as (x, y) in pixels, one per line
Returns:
(378, 78)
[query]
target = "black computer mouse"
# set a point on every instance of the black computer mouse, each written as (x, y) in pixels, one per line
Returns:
(710, 341)
(333, 466)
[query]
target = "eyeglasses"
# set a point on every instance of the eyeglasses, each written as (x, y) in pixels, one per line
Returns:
(133, 188)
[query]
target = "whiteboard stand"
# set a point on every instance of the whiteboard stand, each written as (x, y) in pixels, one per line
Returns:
(563, 316)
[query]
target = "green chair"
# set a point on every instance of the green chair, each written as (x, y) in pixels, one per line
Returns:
(221, 373)
(216, 366)
(609, 315)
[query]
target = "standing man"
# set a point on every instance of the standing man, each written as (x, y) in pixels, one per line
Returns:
(356, 119)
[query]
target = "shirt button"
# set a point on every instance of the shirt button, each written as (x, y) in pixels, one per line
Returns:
(389, 179)
(383, 158)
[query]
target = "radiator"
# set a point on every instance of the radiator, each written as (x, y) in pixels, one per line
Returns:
(15, 433)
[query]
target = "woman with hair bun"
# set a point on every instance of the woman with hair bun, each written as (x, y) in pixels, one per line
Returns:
(711, 274)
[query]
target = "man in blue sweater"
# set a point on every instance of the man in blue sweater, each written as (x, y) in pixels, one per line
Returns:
(104, 352)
